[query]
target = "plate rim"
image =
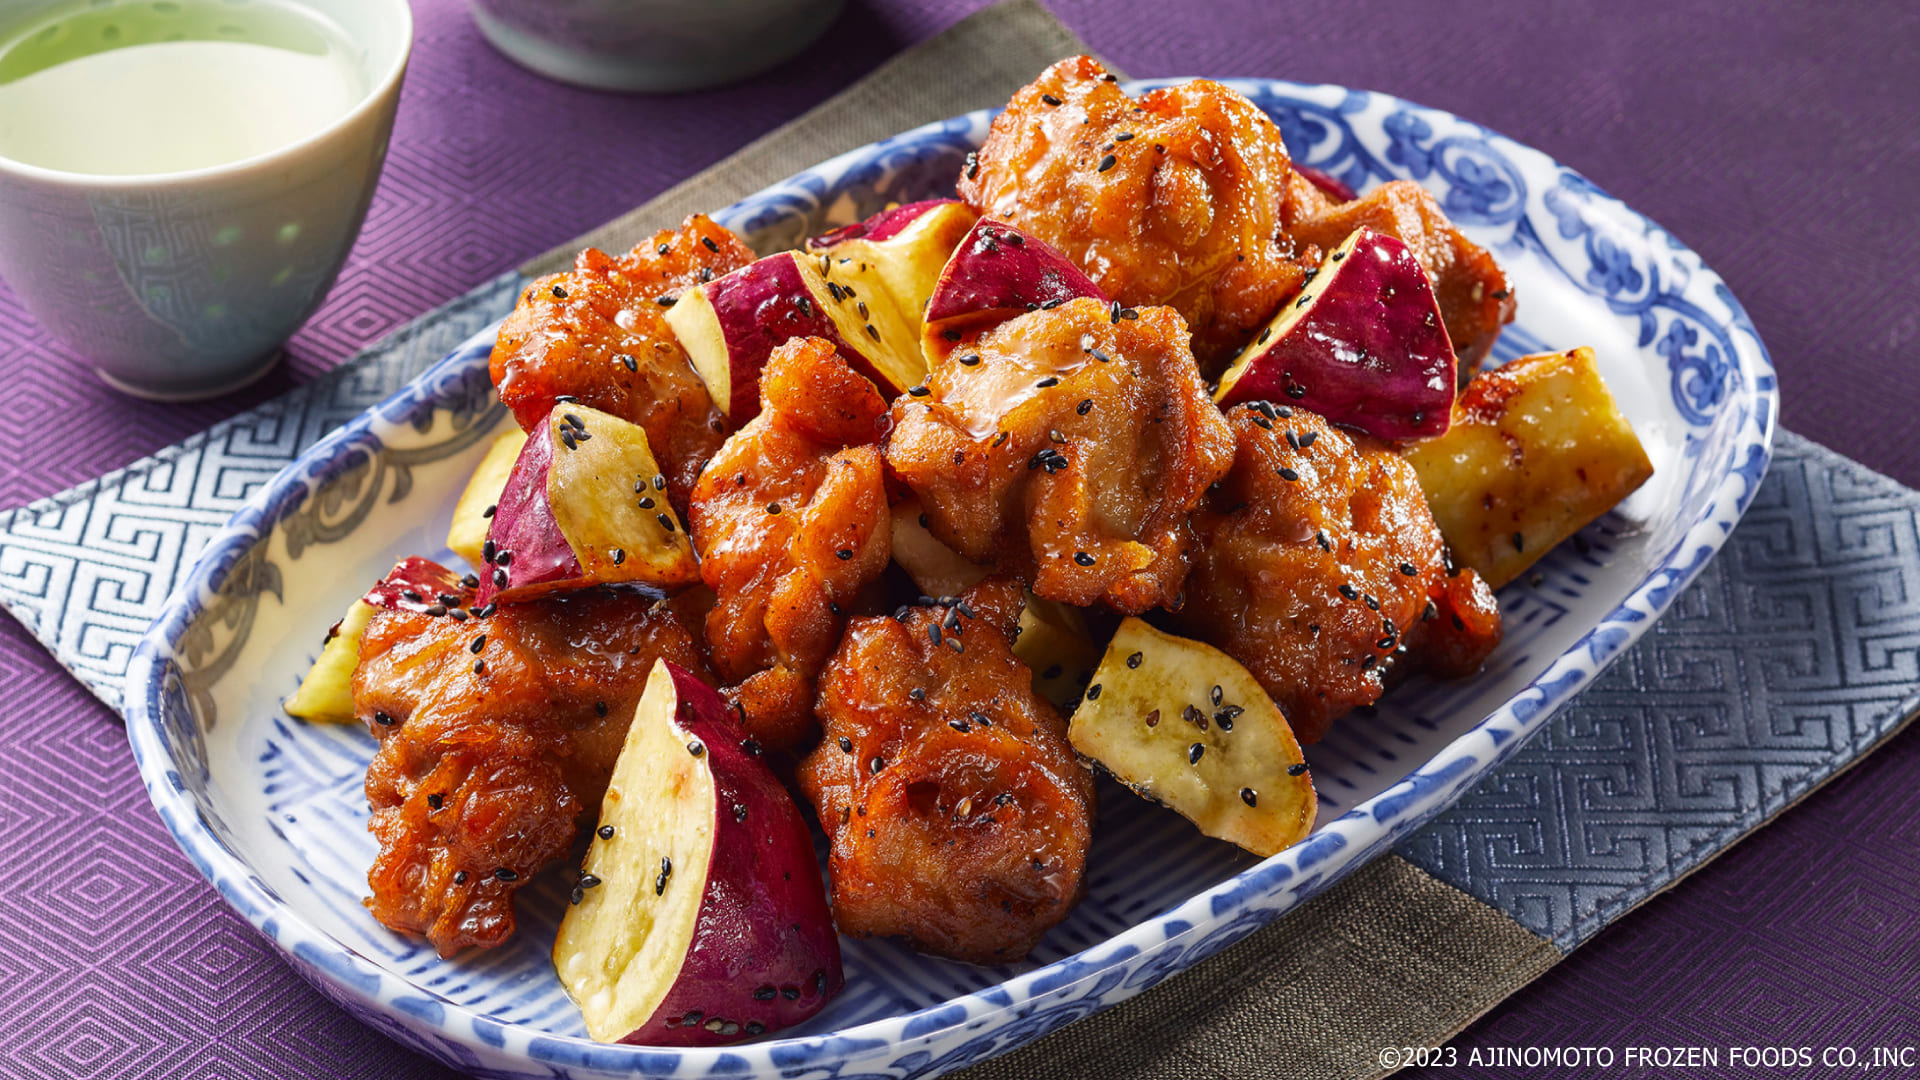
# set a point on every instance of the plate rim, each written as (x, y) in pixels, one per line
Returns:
(1408, 803)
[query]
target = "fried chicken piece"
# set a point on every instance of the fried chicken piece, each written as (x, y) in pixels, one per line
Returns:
(1475, 298)
(493, 758)
(1072, 452)
(596, 333)
(1174, 199)
(1322, 567)
(958, 816)
(790, 519)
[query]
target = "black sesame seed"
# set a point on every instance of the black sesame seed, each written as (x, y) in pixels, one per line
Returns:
(487, 551)
(968, 359)
(773, 508)
(1371, 602)
(1194, 752)
(659, 481)
(1125, 136)
(1519, 542)
(499, 579)
(973, 165)
(1247, 796)
(1297, 768)
(1325, 544)
(1106, 163)
(1133, 661)
(459, 877)
(383, 719)
(559, 293)
(876, 765)
(696, 748)
(505, 558)
(1049, 99)
(1296, 391)
(1093, 691)
(1048, 381)
(1409, 569)
(578, 894)
(666, 301)
(1306, 439)
(1349, 591)
(606, 832)
(665, 520)
(1082, 558)
(765, 993)
(437, 610)
(480, 667)
(1084, 407)
(1215, 695)
(478, 644)
(918, 391)
(1289, 475)
(507, 873)
(436, 800)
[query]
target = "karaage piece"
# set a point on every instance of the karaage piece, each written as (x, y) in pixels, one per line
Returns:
(1475, 298)
(497, 737)
(1068, 445)
(790, 519)
(1321, 568)
(595, 333)
(1172, 199)
(959, 818)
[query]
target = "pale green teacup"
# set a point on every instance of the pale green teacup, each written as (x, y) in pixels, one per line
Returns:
(180, 180)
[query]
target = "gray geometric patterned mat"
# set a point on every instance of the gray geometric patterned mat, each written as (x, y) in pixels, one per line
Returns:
(1794, 652)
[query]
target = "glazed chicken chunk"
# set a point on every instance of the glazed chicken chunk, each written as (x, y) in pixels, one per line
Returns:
(1068, 446)
(595, 333)
(1173, 199)
(791, 522)
(958, 816)
(1322, 568)
(497, 738)
(1475, 298)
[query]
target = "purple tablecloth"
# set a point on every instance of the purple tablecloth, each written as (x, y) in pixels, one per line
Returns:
(1777, 139)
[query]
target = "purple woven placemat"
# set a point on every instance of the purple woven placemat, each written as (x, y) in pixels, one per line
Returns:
(1774, 138)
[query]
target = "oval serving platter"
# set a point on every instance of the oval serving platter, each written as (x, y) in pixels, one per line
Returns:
(272, 811)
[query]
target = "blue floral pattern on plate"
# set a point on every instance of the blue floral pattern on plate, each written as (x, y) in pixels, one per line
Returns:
(270, 810)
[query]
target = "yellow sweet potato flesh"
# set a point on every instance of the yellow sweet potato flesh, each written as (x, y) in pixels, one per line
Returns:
(468, 533)
(1537, 450)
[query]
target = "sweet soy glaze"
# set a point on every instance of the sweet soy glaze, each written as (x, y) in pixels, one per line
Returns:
(118, 88)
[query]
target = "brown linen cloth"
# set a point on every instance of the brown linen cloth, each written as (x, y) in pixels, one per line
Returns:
(1388, 957)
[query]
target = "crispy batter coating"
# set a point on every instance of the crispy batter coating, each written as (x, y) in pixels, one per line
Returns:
(491, 762)
(1073, 452)
(790, 519)
(1475, 298)
(1174, 199)
(1320, 583)
(958, 815)
(596, 333)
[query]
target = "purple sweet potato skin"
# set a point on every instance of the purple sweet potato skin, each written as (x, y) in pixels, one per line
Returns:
(1000, 269)
(1371, 354)
(758, 308)
(523, 524)
(882, 226)
(764, 921)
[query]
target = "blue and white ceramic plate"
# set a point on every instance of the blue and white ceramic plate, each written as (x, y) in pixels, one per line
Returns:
(272, 810)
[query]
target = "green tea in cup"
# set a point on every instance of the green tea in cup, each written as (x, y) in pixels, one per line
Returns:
(127, 87)
(180, 180)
